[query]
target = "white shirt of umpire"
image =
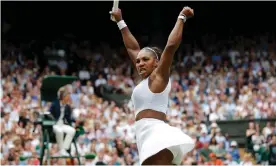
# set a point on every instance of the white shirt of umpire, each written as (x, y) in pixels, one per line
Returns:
(60, 129)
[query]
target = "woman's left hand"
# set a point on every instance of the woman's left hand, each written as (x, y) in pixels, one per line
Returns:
(187, 11)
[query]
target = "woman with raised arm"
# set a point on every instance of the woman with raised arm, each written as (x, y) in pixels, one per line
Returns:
(158, 143)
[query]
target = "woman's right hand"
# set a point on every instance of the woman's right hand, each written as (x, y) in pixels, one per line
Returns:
(117, 14)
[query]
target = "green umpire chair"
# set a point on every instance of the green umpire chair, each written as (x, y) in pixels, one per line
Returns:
(49, 89)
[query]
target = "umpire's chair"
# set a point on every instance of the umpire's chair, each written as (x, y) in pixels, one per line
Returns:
(49, 89)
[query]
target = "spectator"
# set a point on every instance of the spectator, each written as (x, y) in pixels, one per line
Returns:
(227, 142)
(204, 138)
(249, 133)
(229, 160)
(213, 145)
(220, 152)
(214, 160)
(219, 137)
(267, 130)
(205, 152)
(234, 151)
(100, 81)
(246, 161)
(198, 143)
(101, 159)
(261, 154)
(258, 139)
(272, 154)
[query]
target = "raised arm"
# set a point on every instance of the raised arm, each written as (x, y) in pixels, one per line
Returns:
(163, 69)
(130, 42)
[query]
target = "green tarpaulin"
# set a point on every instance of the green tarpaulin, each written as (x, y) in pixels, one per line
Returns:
(51, 85)
(237, 128)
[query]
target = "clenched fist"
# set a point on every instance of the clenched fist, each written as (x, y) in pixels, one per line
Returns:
(187, 11)
(117, 14)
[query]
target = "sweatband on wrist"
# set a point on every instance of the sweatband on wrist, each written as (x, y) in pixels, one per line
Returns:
(121, 24)
(183, 17)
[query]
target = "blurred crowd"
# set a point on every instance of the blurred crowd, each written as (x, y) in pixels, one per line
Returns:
(260, 142)
(216, 80)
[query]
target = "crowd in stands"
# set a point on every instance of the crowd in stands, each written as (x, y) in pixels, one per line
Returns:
(216, 81)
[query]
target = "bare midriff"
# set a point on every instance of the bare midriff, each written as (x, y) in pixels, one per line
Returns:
(148, 113)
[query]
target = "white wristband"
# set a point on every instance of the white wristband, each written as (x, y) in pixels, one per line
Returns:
(121, 24)
(183, 17)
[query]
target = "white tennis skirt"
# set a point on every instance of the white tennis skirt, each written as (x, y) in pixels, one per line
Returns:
(153, 135)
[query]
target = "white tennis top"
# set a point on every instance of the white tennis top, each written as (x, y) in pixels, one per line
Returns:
(143, 98)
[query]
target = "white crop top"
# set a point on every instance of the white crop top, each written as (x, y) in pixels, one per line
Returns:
(143, 98)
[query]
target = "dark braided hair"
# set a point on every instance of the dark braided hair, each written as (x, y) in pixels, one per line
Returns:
(158, 51)
(155, 50)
